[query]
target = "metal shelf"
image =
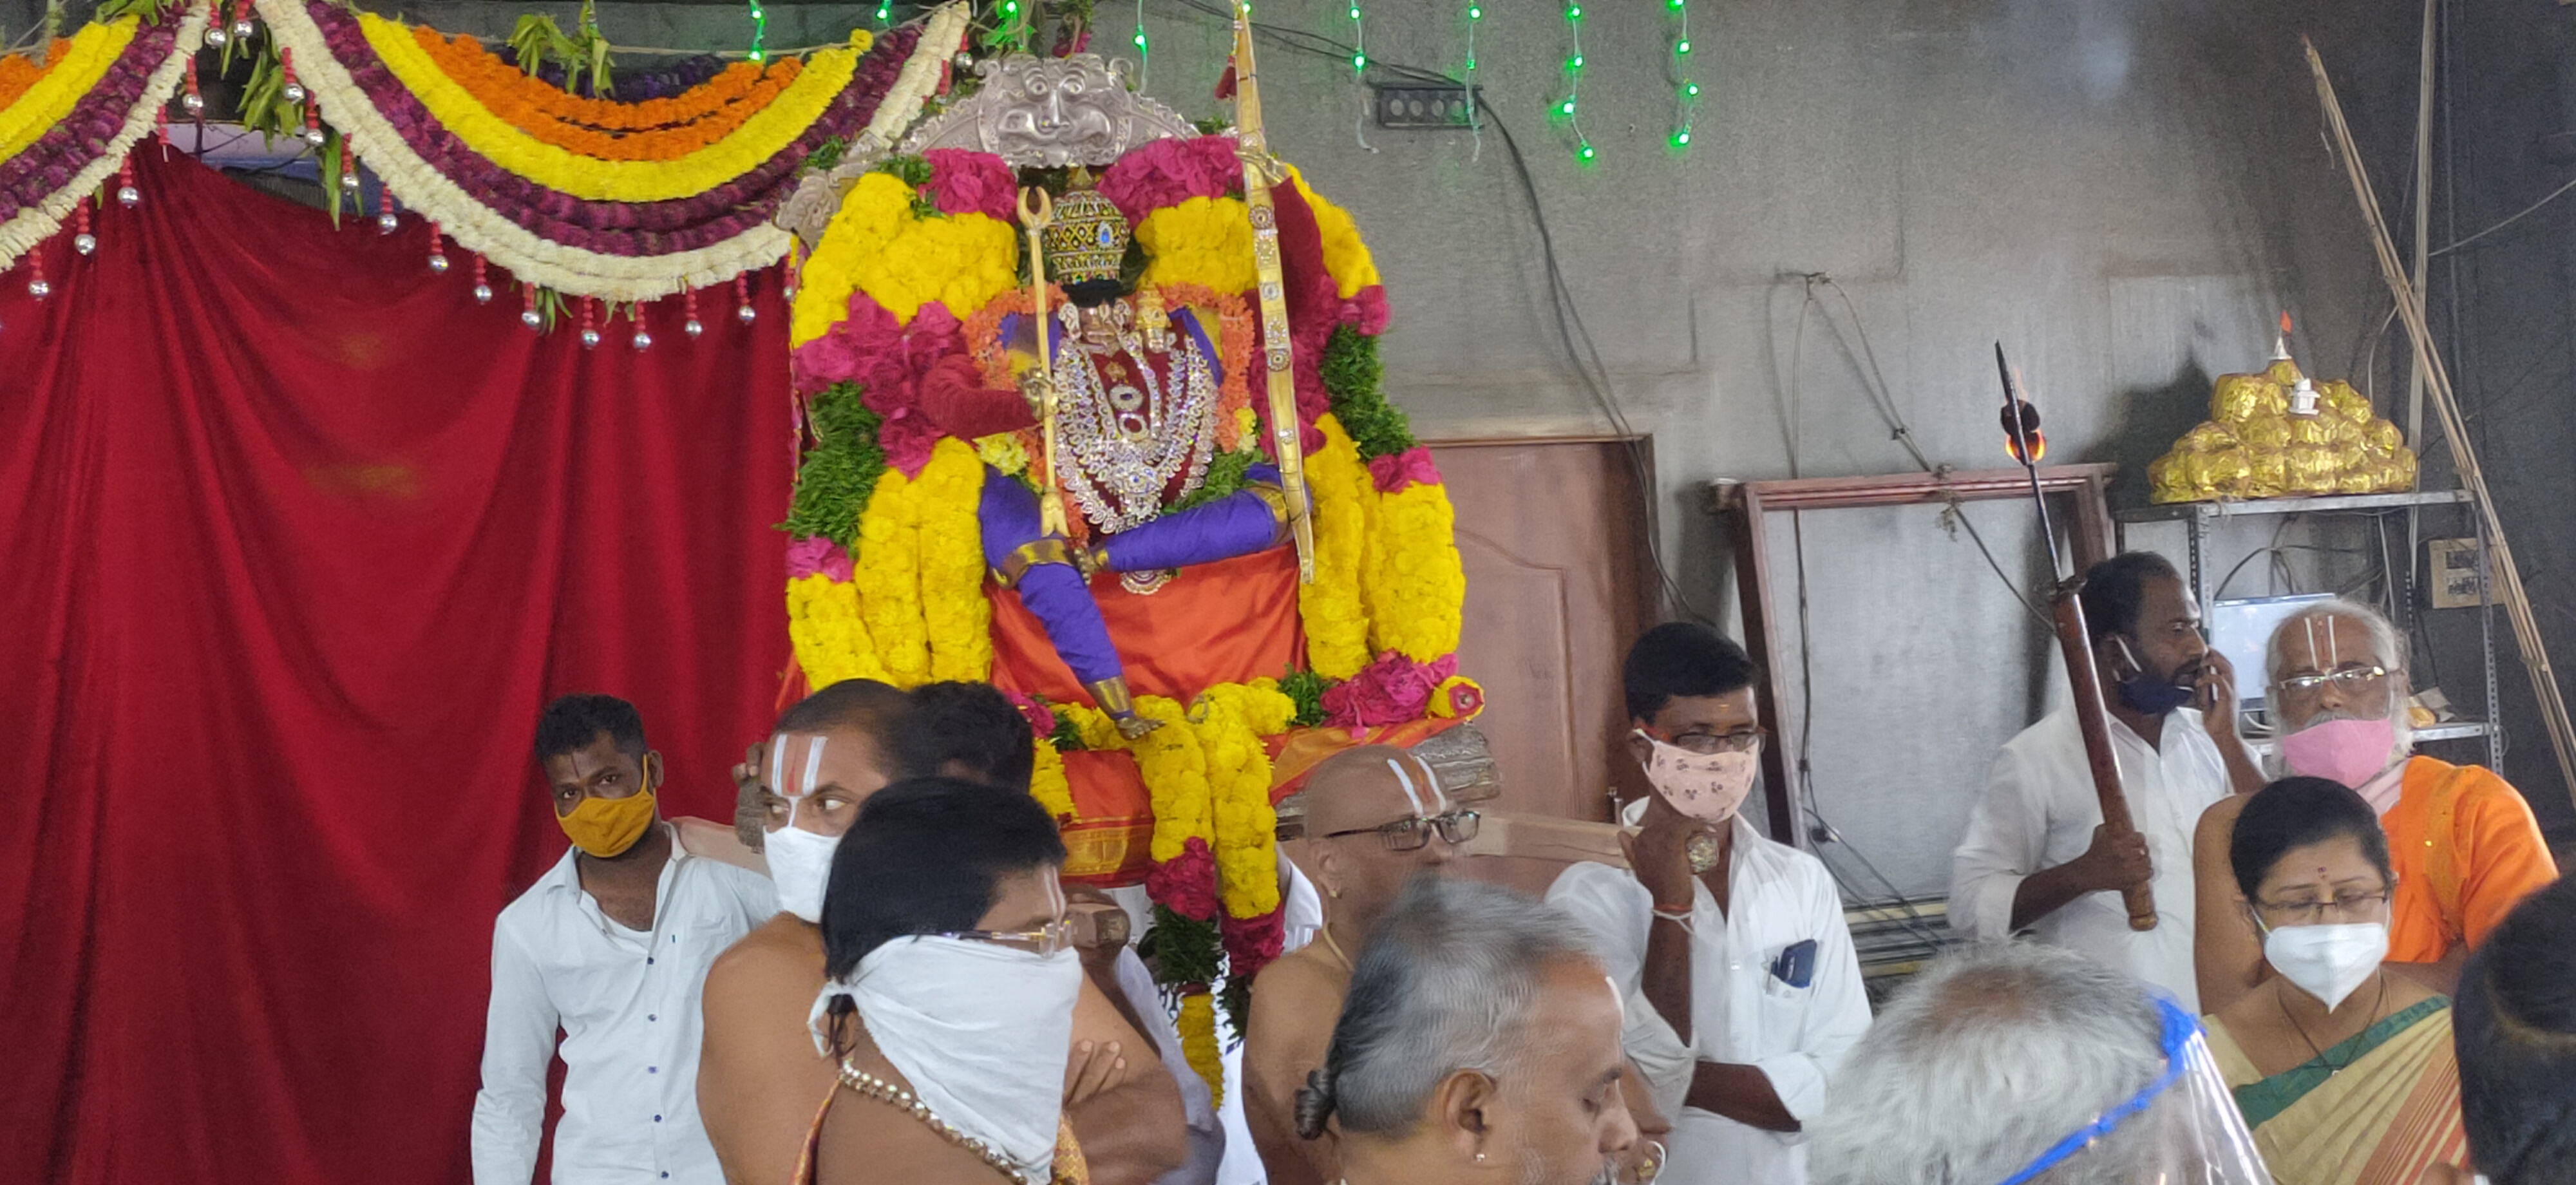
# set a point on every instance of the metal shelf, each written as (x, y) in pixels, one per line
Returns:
(2321, 504)
(2199, 520)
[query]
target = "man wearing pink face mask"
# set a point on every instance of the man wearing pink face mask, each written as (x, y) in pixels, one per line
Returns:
(1742, 991)
(2462, 840)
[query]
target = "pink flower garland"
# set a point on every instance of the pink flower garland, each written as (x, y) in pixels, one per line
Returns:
(1168, 172)
(966, 182)
(1391, 690)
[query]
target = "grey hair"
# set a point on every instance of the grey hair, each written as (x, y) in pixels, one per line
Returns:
(2384, 638)
(1447, 982)
(1985, 1061)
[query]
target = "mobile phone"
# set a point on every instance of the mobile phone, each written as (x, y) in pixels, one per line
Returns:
(1797, 965)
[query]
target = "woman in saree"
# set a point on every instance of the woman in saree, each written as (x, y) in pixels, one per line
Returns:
(2343, 1071)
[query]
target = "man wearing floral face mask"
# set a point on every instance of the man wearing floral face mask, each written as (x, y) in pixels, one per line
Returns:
(1742, 991)
(2464, 842)
(2036, 856)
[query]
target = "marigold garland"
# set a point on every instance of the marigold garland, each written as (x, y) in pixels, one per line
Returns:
(1197, 1025)
(691, 121)
(1346, 257)
(18, 71)
(1233, 719)
(1415, 585)
(877, 244)
(1175, 772)
(65, 79)
(824, 627)
(66, 163)
(505, 87)
(1331, 607)
(1202, 241)
(1048, 784)
(760, 137)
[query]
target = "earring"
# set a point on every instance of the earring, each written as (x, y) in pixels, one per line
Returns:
(1335, 894)
(1480, 1158)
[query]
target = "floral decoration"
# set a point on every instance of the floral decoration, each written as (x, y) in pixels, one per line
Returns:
(1391, 690)
(1168, 172)
(74, 119)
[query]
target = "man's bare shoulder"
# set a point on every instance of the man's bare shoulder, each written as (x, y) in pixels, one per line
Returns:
(780, 957)
(1298, 991)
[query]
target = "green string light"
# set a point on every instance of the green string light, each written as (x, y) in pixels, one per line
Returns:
(885, 15)
(759, 32)
(1567, 108)
(1686, 92)
(1144, 52)
(1359, 41)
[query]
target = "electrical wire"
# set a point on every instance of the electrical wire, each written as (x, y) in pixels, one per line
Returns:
(1573, 336)
(2525, 212)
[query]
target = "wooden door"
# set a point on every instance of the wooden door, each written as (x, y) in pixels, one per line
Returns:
(1559, 582)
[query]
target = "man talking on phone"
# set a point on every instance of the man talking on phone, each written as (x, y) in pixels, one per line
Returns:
(1742, 989)
(2037, 857)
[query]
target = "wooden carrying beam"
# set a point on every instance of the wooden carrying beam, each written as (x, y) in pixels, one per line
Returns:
(2089, 529)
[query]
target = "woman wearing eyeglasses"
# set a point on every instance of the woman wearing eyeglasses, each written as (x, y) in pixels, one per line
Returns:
(2343, 1071)
(949, 1010)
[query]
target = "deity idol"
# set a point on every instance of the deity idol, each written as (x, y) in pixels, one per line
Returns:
(1143, 407)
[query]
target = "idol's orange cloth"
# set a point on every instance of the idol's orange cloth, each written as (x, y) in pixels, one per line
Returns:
(1296, 752)
(1110, 845)
(2492, 852)
(1226, 622)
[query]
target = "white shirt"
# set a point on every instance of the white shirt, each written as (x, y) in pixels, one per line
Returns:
(1304, 916)
(1741, 1013)
(627, 1002)
(2039, 811)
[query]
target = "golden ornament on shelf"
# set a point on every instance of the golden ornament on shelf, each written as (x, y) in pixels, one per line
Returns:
(2275, 434)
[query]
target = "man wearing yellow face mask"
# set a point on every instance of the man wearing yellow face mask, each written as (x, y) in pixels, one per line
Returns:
(611, 946)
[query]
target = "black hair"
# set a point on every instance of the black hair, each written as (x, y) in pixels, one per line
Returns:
(972, 725)
(2115, 589)
(2514, 1026)
(1683, 658)
(926, 856)
(864, 704)
(2296, 812)
(572, 722)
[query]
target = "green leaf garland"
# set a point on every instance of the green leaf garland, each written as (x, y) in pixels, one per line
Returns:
(839, 472)
(1351, 374)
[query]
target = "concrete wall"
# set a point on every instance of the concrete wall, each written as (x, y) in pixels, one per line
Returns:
(2122, 191)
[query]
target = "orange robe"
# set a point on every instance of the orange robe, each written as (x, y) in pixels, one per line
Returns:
(2466, 850)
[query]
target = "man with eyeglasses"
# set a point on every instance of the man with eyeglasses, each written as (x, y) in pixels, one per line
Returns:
(2036, 857)
(2464, 843)
(1373, 817)
(1742, 991)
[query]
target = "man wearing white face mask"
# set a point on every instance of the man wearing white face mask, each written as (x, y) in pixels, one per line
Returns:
(949, 1013)
(757, 1078)
(2343, 1071)
(2036, 857)
(2465, 844)
(1742, 991)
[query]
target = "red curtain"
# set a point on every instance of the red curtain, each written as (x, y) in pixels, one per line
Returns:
(298, 539)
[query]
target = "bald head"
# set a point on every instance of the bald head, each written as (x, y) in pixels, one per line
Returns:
(1347, 798)
(1367, 786)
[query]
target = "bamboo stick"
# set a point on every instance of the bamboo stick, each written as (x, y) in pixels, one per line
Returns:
(2517, 603)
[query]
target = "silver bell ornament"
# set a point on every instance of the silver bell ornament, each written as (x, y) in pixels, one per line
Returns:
(349, 181)
(643, 340)
(438, 263)
(746, 314)
(85, 242)
(314, 137)
(195, 104)
(292, 92)
(531, 319)
(692, 327)
(39, 289)
(589, 339)
(387, 223)
(242, 29)
(129, 196)
(216, 36)
(482, 293)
